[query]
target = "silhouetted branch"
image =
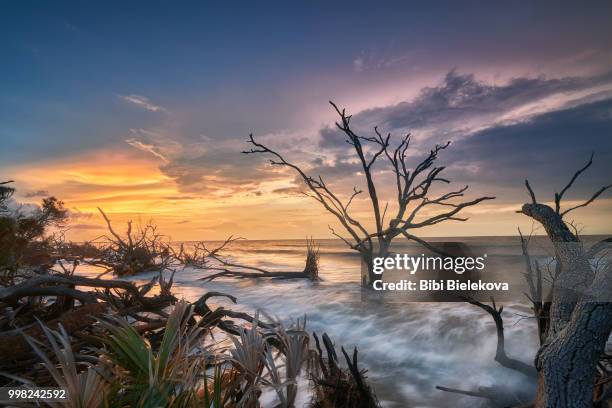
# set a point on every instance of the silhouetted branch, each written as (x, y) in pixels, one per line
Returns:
(559, 196)
(531, 193)
(413, 187)
(500, 353)
(589, 201)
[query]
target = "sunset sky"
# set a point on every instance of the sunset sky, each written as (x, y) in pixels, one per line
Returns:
(143, 109)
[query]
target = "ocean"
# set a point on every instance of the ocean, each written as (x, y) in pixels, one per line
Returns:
(407, 348)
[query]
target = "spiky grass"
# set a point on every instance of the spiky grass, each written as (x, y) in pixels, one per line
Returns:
(86, 388)
(249, 358)
(168, 377)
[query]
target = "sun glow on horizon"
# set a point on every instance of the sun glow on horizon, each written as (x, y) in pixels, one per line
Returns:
(131, 186)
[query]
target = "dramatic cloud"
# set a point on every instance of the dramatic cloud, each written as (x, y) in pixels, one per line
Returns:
(215, 166)
(547, 149)
(143, 102)
(116, 116)
(536, 127)
(462, 105)
(218, 171)
(490, 125)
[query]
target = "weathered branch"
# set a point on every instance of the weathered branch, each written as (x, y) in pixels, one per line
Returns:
(500, 353)
(37, 285)
(481, 393)
(531, 193)
(540, 302)
(589, 201)
(559, 196)
(111, 230)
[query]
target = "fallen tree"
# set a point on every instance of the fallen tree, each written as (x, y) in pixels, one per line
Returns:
(141, 249)
(221, 267)
(104, 296)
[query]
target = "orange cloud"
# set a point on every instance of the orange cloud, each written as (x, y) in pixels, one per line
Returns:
(130, 186)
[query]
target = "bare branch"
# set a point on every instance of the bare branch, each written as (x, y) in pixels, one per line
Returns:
(479, 393)
(531, 193)
(413, 187)
(111, 230)
(500, 354)
(589, 201)
(424, 243)
(559, 196)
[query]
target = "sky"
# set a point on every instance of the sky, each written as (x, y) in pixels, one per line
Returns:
(143, 108)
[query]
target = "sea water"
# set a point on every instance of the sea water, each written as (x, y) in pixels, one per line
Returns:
(408, 348)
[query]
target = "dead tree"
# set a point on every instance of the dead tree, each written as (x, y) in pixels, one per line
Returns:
(580, 310)
(413, 192)
(105, 296)
(213, 260)
(142, 249)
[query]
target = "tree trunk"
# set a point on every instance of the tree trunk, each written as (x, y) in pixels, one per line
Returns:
(368, 276)
(568, 363)
(580, 319)
(367, 262)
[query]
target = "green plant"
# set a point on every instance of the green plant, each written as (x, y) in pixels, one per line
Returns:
(249, 358)
(86, 389)
(167, 377)
(218, 392)
(294, 352)
(23, 237)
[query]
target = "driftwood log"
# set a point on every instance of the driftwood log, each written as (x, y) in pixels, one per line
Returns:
(224, 268)
(104, 297)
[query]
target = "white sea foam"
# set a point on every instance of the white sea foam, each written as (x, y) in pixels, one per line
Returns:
(407, 348)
